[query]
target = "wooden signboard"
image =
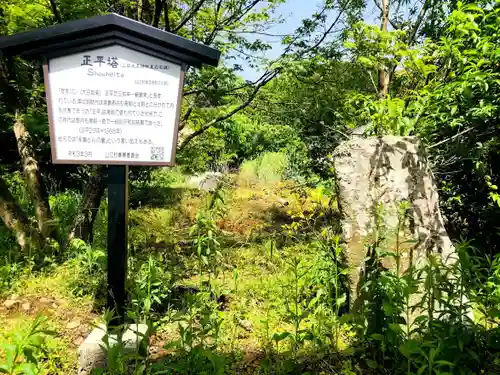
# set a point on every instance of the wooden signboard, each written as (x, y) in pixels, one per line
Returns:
(113, 105)
(114, 89)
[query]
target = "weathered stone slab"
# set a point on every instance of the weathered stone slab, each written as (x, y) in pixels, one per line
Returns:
(206, 182)
(386, 171)
(92, 352)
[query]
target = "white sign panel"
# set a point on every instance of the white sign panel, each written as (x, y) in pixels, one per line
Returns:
(113, 105)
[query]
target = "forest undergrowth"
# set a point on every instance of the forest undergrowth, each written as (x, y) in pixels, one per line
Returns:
(251, 279)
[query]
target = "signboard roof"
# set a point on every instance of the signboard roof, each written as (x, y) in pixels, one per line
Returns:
(106, 30)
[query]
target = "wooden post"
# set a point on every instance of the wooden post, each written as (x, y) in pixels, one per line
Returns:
(117, 240)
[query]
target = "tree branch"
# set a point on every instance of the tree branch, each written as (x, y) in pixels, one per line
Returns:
(258, 33)
(234, 17)
(384, 76)
(418, 22)
(92, 194)
(53, 5)
(453, 137)
(157, 14)
(262, 81)
(393, 24)
(267, 77)
(372, 81)
(14, 218)
(183, 122)
(167, 21)
(189, 15)
(413, 34)
(33, 178)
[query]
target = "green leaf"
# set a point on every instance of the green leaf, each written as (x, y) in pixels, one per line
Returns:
(204, 259)
(341, 300)
(37, 340)
(444, 363)
(473, 354)
(472, 8)
(345, 271)
(388, 310)
(265, 363)
(365, 61)
(10, 355)
(378, 337)
(172, 344)
(421, 370)
(28, 353)
(409, 348)
(345, 318)
(28, 369)
(395, 327)
(280, 336)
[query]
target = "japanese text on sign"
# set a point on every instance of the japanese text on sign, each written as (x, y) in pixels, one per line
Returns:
(113, 105)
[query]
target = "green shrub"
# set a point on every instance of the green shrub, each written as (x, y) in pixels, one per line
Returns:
(19, 191)
(150, 287)
(164, 187)
(9, 275)
(235, 140)
(8, 243)
(101, 226)
(90, 266)
(23, 355)
(64, 207)
(9, 249)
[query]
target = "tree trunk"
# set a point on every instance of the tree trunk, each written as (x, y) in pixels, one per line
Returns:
(383, 74)
(84, 221)
(157, 12)
(93, 216)
(15, 219)
(33, 178)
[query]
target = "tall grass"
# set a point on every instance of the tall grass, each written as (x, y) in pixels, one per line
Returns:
(269, 168)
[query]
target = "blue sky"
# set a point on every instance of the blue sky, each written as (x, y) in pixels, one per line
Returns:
(293, 11)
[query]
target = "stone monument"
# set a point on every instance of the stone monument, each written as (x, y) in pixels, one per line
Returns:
(382, 172)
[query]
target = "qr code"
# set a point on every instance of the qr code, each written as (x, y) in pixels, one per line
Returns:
(157, 153)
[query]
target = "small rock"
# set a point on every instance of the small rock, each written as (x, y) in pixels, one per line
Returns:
(74, 324)
(245, 324)
(45, 301)
(26, 306)
(14, 297)
(282, 201)
(54, 305)
(11, 304)
(79, 341)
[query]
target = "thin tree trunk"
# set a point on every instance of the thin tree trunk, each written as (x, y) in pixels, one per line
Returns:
(33, 178)
(144, 11)
(383, 74)
(14, 218)
(84, 221)
(93, 215)
(157, 13)
(167, 19)
(57, 15)
(85, 230)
